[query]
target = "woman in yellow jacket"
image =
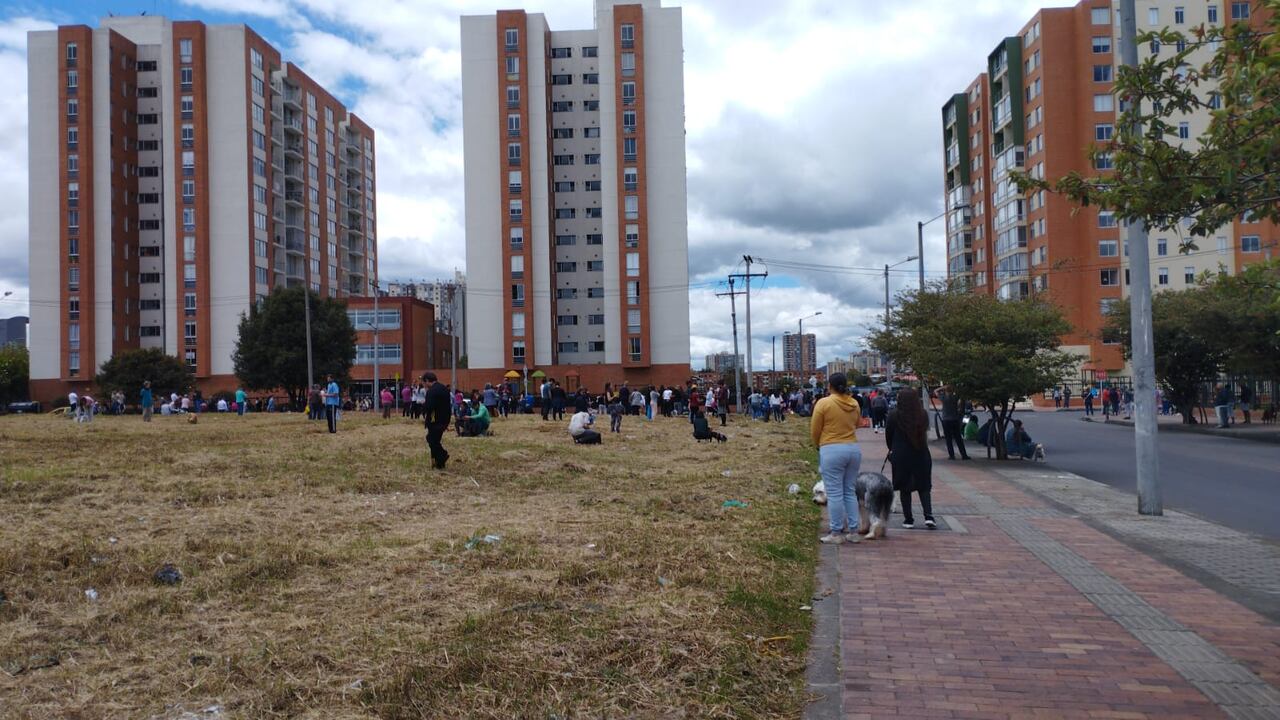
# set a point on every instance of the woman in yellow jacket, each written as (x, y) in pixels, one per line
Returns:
(833, 428)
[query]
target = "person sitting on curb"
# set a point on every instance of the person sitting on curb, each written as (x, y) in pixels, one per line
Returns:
(1018, 442)
(475, 424)
(580, 428)
(702, 429)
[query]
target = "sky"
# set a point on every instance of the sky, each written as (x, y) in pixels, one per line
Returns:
(814, 137)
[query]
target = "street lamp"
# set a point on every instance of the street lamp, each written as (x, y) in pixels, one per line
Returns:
(377, 396)
(920, 237)
(889, 369)
(800, 339)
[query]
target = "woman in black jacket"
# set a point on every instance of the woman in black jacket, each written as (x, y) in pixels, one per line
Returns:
(907, 435)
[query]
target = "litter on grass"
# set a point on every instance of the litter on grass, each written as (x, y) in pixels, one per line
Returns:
(476, 540)
(734, 504)
(793, 489)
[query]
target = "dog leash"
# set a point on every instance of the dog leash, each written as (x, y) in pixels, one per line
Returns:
(886, 462)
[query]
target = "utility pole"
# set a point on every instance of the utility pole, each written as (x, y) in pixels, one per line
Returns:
(889, 368)
(1150, 501)
(453, 342)
(747, 276)
(377, 394)
(733, 313)
(773, 342)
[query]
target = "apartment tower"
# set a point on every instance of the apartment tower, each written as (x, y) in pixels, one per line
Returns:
(1042, 105)
(178, 172)
(577, 243)
(799, 352)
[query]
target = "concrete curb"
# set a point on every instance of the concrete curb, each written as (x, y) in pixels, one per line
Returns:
(1273, 438)
(822, 672)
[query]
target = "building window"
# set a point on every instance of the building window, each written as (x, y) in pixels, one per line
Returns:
(567, 347)
(628, 121)
(590, 79)
(591, 105)
(513, 96)
(594, 212)
(595, 292)
(517, 238)
(628, 64)
(1103, 102)
(633, 292)
(1213, 13)
(564, 186)
(1250, 244)
(517, 296)
(632, 236)
(562, 134)
(1101, 44)
(189, 331)
(1104, 161)
(73, 308)
(517, 324)
(189, 275)
(1100, 16)
(566, 320)
(513, 126)
(595, 266)
(591, 159)
(187, 106)
(73, 219)
(629, 151)
(1162, 276)
(630, 178)
(590, 51)
(188, 219)
(514, 181)
(1103, 132)
(1184, 130)
(188, 135)
(255, 59)
(1189, 275)
(1106, 219)
(561, 52)
(1108, 248)
(72, 53)
(73, 278)
(73, 363)
(633, 264)
(73, 79)
(1110, 276)
(570, 293)
(517, 267)
(189, 248)
(628, 93)
(513, 68)
(627, 34)
(566, 266)
(517, 352)
(631, 205)
(73, 248)
(513, 153)
(561, 79)
(566, 213)
(595, 239)
(562, 106)
(185, 77)
(563, 240)
(1102, 73)
(73, 137)
(595, 319)
(1240, 11)
(1162, 247)
(634, 346)
(633, 322)
(512, 36)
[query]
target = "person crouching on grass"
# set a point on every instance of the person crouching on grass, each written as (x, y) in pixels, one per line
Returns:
(580, 428)
(833, 430)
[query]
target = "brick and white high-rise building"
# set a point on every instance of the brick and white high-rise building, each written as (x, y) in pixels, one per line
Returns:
(1044, 101)
(178, 172)
(577, 244)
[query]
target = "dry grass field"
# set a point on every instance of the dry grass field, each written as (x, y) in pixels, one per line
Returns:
(341, 577)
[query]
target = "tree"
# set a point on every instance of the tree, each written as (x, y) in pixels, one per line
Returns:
(1249, 319)
(992, 352)
(15, 373)
(128, 369)
(1233, 170)
(271, 351)
(1187, 351)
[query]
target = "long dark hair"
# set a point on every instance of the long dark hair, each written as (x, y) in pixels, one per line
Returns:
(912, 420)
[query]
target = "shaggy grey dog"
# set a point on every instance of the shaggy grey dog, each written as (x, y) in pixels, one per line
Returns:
(875, 498)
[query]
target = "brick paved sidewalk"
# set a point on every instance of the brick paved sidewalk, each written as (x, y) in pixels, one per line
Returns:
(1016, 609)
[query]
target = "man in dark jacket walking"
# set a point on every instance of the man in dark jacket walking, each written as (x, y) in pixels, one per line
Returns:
(951, 422)
(437, 413)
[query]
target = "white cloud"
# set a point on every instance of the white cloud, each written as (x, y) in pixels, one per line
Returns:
(813, 135)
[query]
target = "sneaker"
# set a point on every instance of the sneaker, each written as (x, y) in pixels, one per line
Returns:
(929, 523)
(853, 537)
(908, 524)
(832, 539)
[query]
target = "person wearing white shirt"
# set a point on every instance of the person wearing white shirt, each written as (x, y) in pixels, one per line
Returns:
(580, 429)
(73, 405)
(222, 404)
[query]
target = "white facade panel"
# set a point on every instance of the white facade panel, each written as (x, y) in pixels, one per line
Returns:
(609, 186)
(229, 221)
(539, 324)
(100, 125)
(483, 202)
(43, 220)
(667, 191)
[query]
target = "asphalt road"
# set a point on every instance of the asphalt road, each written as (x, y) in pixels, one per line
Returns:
(1229, 481)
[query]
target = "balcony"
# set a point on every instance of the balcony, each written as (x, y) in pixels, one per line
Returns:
(294, 197)
(292, 97)
(961, 195)
(1011, 241)
(295, 242)
(277, 159)
(292, 123)
(953, 155)
(1002, 113)
(293, 170)
(294, 149)
(1012, 159)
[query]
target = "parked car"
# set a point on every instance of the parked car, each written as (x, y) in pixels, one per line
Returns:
(23, 407)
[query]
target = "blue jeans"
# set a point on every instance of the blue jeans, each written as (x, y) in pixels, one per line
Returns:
(839, 467)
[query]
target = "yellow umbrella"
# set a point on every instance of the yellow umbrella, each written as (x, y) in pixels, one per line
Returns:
(511, 375)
